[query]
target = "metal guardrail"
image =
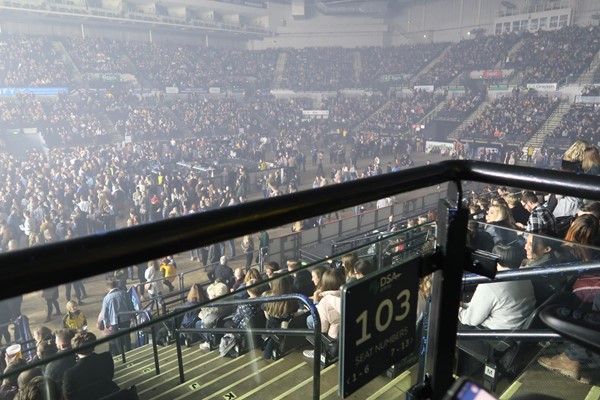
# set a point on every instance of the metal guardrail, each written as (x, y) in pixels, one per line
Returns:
(316, 331)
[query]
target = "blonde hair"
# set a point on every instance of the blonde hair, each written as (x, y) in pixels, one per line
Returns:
(591, 157)
(216, 289)
(71, 303)
(512, 199)
(575, 152)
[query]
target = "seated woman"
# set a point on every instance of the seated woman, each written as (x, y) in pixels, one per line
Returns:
(501, 305)
(316, 275)
(500, 224)
(209, 316)
(330, 306)
(278, 313)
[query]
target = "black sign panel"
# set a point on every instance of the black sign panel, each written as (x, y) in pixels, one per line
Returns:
(378, 324)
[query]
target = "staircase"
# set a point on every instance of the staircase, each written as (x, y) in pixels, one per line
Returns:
(279, 68)
(357, 66)
(537, 140)
(587, 77)
(510, 53)
(210, 376)
(429, 66)
(109, 127)
(466, 122)
(76, 75)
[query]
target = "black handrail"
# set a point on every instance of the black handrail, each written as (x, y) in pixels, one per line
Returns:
(316, 331)
(561, 269)
(51, 263)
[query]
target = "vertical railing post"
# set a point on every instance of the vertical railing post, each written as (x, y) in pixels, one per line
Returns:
(446, 285)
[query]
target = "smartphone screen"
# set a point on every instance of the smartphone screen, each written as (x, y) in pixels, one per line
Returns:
(471, 391)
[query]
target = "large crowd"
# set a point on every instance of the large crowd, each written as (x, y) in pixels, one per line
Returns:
(74, 191)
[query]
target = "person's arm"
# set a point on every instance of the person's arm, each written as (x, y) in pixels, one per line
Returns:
(479, 308)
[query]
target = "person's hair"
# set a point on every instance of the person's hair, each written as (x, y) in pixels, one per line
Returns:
(252, 274)
(512, 199)
(292, 265)
(81, 339)
(26, 376)
(280, 308)
(44, 333)
(348, 261)
(529, 196)
(216, 289)
(223, 260)
(112, 284)
(364, 267)
(14, 364)
(591, 157)
(71, 303)
(332, 279)
(591, 208)
(540, 242)
(583, 230)
(319, 270)
(40, 388)
(197, 294)
(575, 152)
(65, 336)
(46, 348)
(272, 266)
(510, 256)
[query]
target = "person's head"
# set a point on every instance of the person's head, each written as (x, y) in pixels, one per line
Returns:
(252, 274)
(498, 213)
(40, 388)
(590, 208)
(112, 284)
(72, 306)
(591, 157)
(292, 265)
(510, 256)
(82, 343)
(239, 273)
(316, 274)
(281, 286)
(583, 230)
(63, 338)
(46, 349)
(511, 199)
(223, 260)
(26, 376)
(216, 289)
(348, 261)
(529, 201)
(332, 279)
(197, 294)
(254, 291)
(575, 152)
(13, 365)
(536, 246)
(271, 268)
(363, 268)
(42, 333)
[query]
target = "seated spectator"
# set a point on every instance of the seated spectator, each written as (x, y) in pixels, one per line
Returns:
(222, 272)
(26, 376)
(519, 213)
(245, 312)
(209, 315)
(278, 313)
(540, 218)
(500, 225)
(40, 388)
(271, 268)
(316, 276)
(591, 161)
(348, 261)
(501, 305)
(55, 369)
(46, 349)
(542, 251)
(9, 387)
(302, 279)
(239, 279)
(92, 376)
(74, 319)
(329, 307)
(363, 268)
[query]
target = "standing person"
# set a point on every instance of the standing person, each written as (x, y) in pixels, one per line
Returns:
(222, 272)
(168, 269)
(248, 248)
(154, 285)
(92, 376)
(74, 318)
(51, 297)
(263, 247)
(109, 321)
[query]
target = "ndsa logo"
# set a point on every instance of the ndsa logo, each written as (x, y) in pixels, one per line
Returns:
(384, 281)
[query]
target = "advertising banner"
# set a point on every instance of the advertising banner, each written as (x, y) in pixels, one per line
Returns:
(38, 91)
(543, 87)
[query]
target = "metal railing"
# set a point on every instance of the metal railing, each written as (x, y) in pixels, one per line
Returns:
(56, 263)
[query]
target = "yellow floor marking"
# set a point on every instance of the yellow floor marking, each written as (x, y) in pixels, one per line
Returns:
(594, 393)
(256, 389)
(512, 389)
(298, 386)
(394, 382)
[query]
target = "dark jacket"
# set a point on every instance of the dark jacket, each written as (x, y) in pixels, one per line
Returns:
(303, 283)
(91, 378)
(55, 370)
